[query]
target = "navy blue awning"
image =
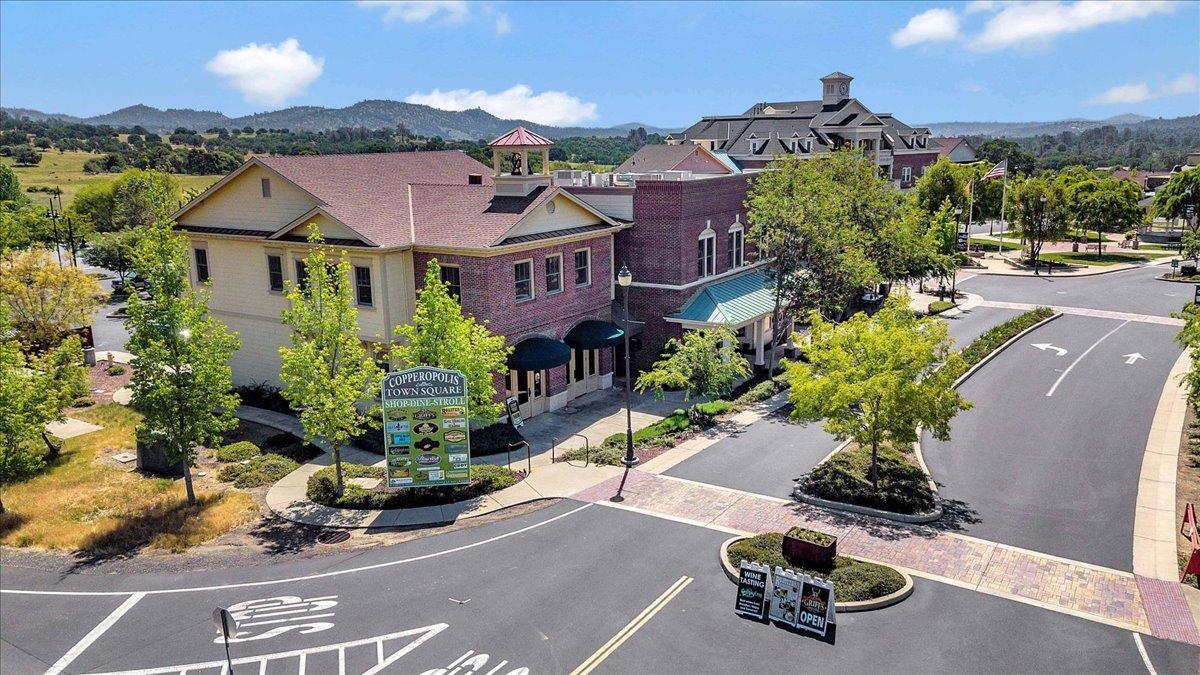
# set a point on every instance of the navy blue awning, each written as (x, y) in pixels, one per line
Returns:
(538, 353)
(592, 334)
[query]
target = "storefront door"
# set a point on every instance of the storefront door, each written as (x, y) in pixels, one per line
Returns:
(584, 371)
(530, 389)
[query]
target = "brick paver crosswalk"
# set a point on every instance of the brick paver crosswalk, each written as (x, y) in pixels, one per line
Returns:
(1110, 596)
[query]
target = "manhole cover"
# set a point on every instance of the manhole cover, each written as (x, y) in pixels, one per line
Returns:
(332, 537)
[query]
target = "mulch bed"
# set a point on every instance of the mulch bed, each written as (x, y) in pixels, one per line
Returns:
(103, 385)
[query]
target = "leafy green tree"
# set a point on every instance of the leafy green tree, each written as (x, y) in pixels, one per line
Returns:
(144, 197)
(326, 371)
(703, 363)
(114, 250)
(441, 336)
(95, 204)
(10, 186)
(996, 150)
(45, 300)
(872, 379)
(943, 180)
(1173, 200)
(1036, 205)
(25, 155)
(182, 383)
(1105, 204)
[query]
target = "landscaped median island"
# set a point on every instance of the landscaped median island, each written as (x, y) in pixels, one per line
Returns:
(322, 488)
(854, 580)
(901, 488)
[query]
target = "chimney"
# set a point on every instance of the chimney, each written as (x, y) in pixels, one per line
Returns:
(475, 179)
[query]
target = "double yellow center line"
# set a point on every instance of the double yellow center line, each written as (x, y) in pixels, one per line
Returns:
(632, 627)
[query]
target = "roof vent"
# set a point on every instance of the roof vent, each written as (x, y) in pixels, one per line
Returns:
(475, 179)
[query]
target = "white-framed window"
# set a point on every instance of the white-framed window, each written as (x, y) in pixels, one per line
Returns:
(301, 274)
(201, 264)
(906, 173)
(583, 267)
(806, 145)
(737, 245)
(362, 286)
(451, 275)
(275, 272)
(266, 188)
(554, 274)
(706, 254)
(523, 280)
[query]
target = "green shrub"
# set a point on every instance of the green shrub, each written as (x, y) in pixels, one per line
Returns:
(115, 370)
(903, 488)
(230, 472)
(939, 306)
(259, 470)
(237, 452)
(991, 340)
(607, 454)
(322, 488)
(761, 391)
(810, 535)
(853, 580)
(712, 409)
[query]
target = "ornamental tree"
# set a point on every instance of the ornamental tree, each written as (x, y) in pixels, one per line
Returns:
(326, 371)
(872, 379)
(182, 383)
(45, 300)
(114, 251)
(1105, 204)
(1037, 205)
(704, 363)
(440, 335)
(1175, 199)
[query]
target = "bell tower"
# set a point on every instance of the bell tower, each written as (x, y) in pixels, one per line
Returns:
(521, 180)
(835, 87)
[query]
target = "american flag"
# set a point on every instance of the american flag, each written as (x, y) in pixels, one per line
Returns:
(997, 171)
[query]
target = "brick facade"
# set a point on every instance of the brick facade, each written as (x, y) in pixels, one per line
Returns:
(915, 161)
(488, 293)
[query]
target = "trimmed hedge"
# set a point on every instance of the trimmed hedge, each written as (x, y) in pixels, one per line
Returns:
(758, 391)
(260, 470)
(991, 340)
(903, 488)
(322, 488)
(939, 306)
(238, 452)
(853, 580)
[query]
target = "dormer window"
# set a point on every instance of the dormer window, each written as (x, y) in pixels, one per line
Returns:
(754, 143)
(806, 145)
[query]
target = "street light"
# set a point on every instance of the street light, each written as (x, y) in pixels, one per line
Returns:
(624, 279)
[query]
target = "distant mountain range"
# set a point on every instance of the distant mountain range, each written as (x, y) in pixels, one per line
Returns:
(1026, 129)
(422, 120)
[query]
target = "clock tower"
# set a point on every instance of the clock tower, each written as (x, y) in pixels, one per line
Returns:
(835, 87)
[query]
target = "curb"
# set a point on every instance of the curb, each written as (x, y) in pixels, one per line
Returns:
(413, 525)
(1193, 280)
(913, 519)
(844, 607)
(1069, 275)
(996, 352)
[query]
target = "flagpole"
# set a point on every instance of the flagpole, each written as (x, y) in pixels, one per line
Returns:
(1003, 202)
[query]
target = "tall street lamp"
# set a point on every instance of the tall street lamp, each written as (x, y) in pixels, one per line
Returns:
(624, 279)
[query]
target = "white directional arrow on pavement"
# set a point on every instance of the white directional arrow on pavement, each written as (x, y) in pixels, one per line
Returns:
(1046, 345)
(1131, 359)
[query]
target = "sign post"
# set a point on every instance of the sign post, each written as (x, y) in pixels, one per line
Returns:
(427, 436)
(754, 580)
(227, 626)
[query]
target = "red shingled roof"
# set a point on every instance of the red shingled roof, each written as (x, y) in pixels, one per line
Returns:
(469, 215)
(520, 136)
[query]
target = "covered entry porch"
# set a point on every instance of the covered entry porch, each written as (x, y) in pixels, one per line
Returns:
(546, 374)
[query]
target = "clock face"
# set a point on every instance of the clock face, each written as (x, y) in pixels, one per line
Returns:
(843, 88)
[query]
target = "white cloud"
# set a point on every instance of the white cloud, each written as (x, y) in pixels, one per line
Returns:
(1036, 24)
(934, 25)
(517, 102)
(1135, 92)
(503, 27)
(417, 11)
(1186, 83)
(977, 6)
(267, 74)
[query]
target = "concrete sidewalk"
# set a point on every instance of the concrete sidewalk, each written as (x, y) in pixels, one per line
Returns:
(1000, 265)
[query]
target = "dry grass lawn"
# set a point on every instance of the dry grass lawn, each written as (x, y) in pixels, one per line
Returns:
(65, 170)
(83, 503)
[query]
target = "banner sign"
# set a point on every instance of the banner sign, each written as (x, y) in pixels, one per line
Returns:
(816, 605)
(427, 438)
(753, 581)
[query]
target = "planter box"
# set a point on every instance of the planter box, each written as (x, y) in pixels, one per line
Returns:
(809, 554)
(151, 460)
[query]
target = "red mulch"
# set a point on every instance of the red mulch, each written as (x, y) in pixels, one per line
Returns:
(103, 385)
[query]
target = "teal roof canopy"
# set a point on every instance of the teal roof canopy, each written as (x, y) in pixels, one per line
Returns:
(538, 353)
(735, 300)
(593, 334)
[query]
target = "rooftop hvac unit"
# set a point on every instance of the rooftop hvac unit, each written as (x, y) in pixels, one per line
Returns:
(601, 180)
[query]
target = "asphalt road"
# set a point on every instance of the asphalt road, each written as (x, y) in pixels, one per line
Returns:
(547, 595)
(1136, 291)
(768, 456)
(1058, 474)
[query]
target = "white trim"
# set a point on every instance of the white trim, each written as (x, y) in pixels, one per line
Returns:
(699, 282)
(532, 281)
(269, 253)
(195, 264)
(557, 192)
(546, 273)
(575, 267)
(708, 235)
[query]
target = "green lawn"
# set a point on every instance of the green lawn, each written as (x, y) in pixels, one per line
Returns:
(65, 170)
(992, 244)
(1105, 259)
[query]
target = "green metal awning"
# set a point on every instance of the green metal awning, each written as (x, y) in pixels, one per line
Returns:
(734, 301)
(538, 353)
(592, 334)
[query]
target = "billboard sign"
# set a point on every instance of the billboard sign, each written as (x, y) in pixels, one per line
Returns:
(427, 437)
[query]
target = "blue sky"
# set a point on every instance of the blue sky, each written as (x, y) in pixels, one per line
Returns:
(607, 63)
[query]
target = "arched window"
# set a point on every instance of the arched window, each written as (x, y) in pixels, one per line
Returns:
(706, 253)
(737, 243)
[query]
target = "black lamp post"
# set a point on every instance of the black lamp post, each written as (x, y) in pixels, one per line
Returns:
(624, 279)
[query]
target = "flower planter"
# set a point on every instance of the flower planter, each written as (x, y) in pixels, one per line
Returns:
(809, 554)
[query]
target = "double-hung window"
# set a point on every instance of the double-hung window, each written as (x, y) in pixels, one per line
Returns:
(201, 265)
(523, 280)
(583, 267)
(906, 174)
(737, 246)
(553, 274)
(452, 277)
(275, 273)
(706, 255)
(301, 275)
(362, 286)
